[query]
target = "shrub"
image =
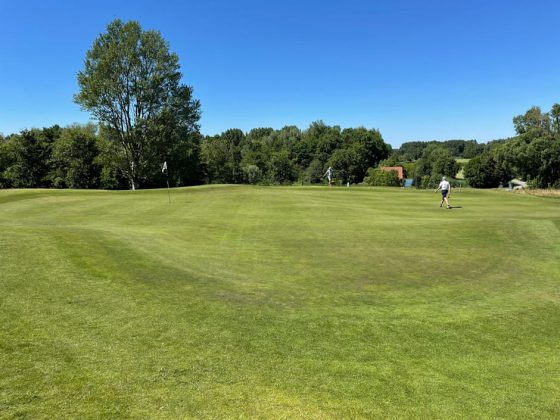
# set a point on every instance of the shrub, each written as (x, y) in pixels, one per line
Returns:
(252, 174)
(381, 178)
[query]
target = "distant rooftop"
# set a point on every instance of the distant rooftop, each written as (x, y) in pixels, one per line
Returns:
(399, 170)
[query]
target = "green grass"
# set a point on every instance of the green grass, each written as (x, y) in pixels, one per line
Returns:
(279, 302)
(462, 162)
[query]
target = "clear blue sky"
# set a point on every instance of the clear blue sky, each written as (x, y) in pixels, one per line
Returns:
(417, 70)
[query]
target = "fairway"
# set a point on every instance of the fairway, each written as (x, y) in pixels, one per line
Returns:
(306, 302)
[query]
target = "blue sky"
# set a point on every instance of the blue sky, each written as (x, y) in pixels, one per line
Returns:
(416, 70)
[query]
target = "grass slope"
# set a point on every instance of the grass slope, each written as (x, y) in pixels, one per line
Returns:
(278, 302)
(462, 162)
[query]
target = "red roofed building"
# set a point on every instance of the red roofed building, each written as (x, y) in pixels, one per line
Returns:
(399, 170)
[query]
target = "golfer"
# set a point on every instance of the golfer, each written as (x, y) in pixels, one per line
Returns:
(329, 175)
(445, 188)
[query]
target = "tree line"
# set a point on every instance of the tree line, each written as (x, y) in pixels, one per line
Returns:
(533, 155)
(82, 156)
(289, 155)
(414, 150)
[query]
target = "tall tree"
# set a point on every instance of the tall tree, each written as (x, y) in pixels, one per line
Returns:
(533, 121)
(28, 157)
(74, 158)
(221, 157)
(484, 171)
(131, 83)
(6, 158)
(436, 161)
(281, 168)
(555, 114)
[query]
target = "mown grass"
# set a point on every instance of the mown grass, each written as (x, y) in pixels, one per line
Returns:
(540, 192)
(279, 302)
(462, 162)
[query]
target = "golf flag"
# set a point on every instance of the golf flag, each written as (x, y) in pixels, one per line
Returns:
(164, 171)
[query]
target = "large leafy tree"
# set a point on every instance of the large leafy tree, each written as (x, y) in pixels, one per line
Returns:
(534, 154)
(6, 158)
(131, 83)
(74, 158)
(436, 161)
(534, 122)
(484, 171)
(221, 157)
(27, 156)
(364, 149)
(281, 168)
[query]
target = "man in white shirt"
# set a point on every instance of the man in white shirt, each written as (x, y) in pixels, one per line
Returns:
(329, 175)
(445, 188)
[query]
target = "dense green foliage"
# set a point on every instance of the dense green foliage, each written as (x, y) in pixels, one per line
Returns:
(436, 161)
(382, 178)
(25, 158)
(288, 155)
(131, 84)
(484, 172)
(74, 158)
(84, 157)
(411, 151)
(257, 302)
(533, 155)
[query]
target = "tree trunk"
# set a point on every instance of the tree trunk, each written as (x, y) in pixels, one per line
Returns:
(132, 178)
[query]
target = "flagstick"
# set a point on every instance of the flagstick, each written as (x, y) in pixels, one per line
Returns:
(168, 193)
(164, 169)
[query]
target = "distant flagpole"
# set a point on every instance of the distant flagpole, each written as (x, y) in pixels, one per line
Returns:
(164, 170)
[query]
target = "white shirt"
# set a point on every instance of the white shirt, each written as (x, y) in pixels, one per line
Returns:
(444, 185)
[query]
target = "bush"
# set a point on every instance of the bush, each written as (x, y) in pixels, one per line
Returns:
(425, 182)
(282, 170)
(381, 178)
(252, 174)
(484, 172)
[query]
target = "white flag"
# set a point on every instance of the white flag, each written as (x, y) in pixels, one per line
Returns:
(164, 167)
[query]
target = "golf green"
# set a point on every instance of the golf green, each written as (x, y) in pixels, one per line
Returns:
(307, 302)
